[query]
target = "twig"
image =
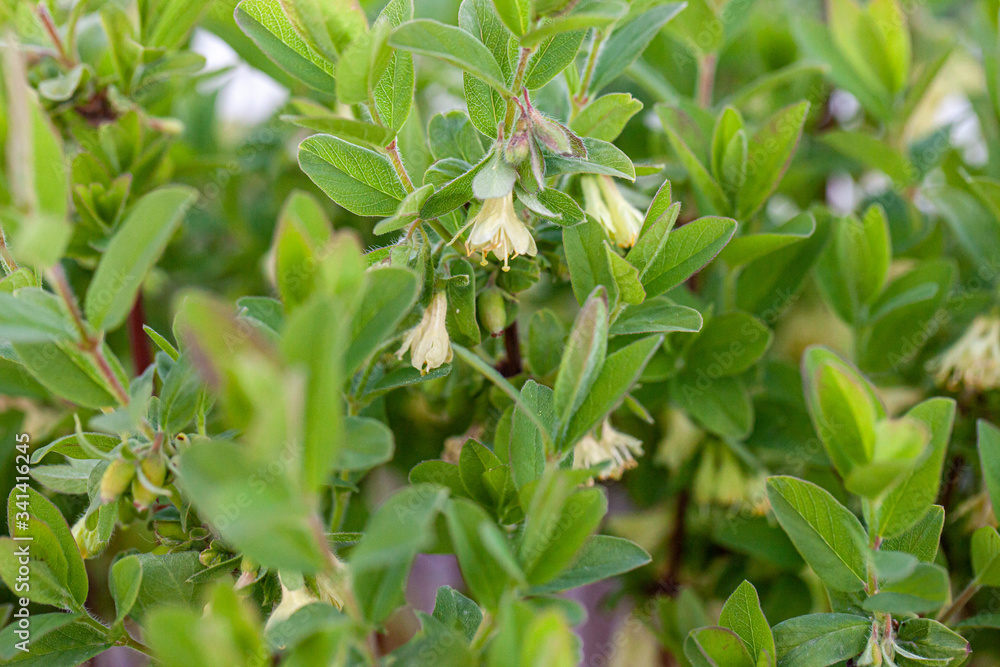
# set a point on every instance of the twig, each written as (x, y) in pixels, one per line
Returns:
(53, 32)
(959, 602)
(706, 79)
(138, 341)
(90, 344)
(512, 365)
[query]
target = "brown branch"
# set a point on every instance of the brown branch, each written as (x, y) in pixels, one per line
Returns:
(138, 341)
(512, 365)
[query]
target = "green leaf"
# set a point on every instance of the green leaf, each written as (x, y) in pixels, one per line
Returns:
(557, 528)
(602, 158)
(486, 578)
(407, 213)
(389, 294)
(588, 263)
(166, 581)
(821, 640)
(41, 625)
(180, 396)
(872, 153)
(986, 556)
(728, 345)
(545, 342)
(551, 57)
(923, 591)
(69, 645)
(606, 117)
(627, 41)
(711, 197)
(603, 556)
(273, 526)
(359, 179)
(745, 249)
(769, 153)
(271, 30)
(583, 358)
(70, 447)
(659, 315)
(32, 316)
(742, 614)
(487, 107)
(722, 406)
(132, 252)
(124, 584)
(367, 443)
(716, 647)
(621, 370)
(328, 25)
(687, 249)
(455, 610)
(451, 44)
(828, 536)
(393, 92)
(355, 131)
(65, 371)
(988, 443)
(626, 277)
(394, 534)
(527, 446)
(516, 14)
(910, 500)
(922, 539)
(41, 510)
(843, 406)
(933, 642)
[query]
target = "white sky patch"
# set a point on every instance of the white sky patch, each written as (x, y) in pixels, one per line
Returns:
(247, 95)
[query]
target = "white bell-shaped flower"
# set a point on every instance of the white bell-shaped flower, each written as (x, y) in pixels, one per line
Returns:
(614, 447)
(605, 203)
(497, 229)
(973, 362)
(428, 342)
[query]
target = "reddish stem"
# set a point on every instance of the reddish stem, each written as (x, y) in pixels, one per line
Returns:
(142, 355)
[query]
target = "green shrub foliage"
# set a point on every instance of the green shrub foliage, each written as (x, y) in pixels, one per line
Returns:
(726, 266)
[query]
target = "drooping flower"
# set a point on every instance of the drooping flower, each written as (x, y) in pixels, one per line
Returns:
(614, 447)
(605, 203)
(428, 342)
(291, 602)
(497, 229)
(974, 361)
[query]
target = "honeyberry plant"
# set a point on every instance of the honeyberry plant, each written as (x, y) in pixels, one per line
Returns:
(491, 267)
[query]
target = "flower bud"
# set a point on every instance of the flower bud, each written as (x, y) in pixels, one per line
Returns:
(209, 557)
(556, 137)
(518, 146)
(492, 311)
(87, 540)
(155, 471)
(116, 479)
(249, 572)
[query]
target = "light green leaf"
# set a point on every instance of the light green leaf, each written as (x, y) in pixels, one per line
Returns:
(133, 250)
(271, 30)
(828, 536)
(359, 179)
(451, 44)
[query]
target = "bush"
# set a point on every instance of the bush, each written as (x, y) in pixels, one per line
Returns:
(487, 271)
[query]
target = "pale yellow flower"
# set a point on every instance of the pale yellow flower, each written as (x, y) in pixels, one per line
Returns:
(614, 447)
(428, 342)
(291, 602)
(974, 361)
(605, 203)
(497, 229)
